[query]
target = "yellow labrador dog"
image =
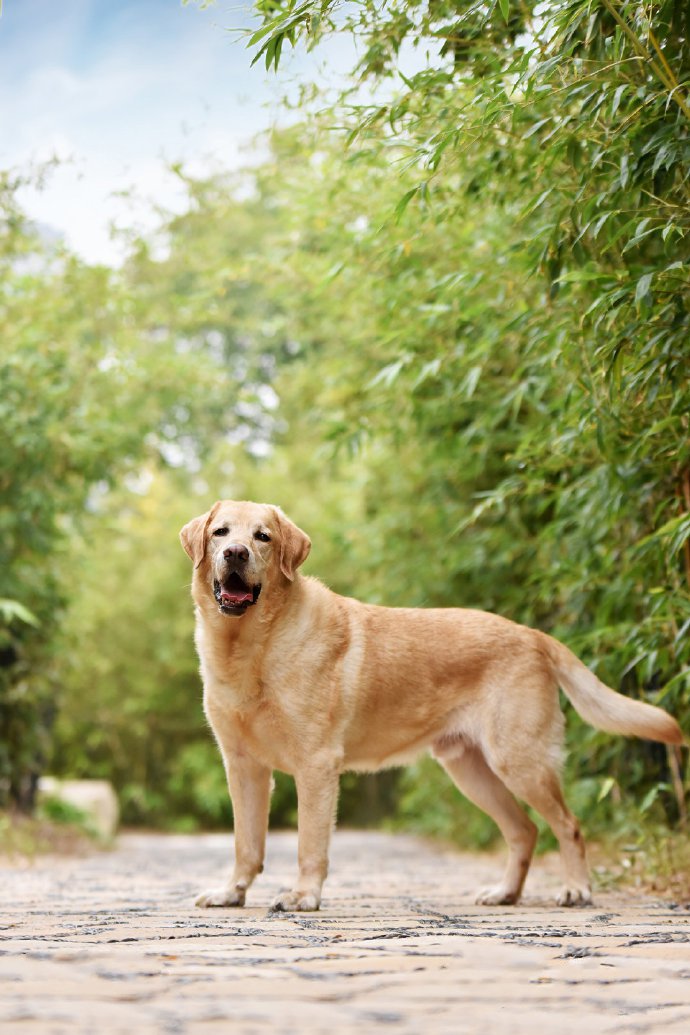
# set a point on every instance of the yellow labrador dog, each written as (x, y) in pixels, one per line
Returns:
(299, 679)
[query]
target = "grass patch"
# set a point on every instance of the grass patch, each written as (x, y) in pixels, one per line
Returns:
(656, 862)
(60, 833)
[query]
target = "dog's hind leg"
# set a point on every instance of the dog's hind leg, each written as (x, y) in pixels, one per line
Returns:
(470, 772)
(540, 787)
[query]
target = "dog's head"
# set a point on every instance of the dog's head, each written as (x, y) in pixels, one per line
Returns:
(239, 549)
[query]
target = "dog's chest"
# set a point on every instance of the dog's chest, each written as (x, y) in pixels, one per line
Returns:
(273, 737)
(236, 697)
(230, 674)
(263, 729)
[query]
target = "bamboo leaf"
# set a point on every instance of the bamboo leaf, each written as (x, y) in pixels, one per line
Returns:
(12, 610)
(643, 285)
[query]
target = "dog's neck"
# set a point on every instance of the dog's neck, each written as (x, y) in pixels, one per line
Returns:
(233, 651)
(248, 630)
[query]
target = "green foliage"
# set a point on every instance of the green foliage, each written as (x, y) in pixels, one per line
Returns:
(444, 324)
(58, 811)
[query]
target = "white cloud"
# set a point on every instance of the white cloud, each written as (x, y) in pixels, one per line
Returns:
(116, 106)
(118, 90)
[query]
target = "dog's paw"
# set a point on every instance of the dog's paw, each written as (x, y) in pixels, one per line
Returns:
(500, 895)
(221, 897)
(574, 896)
(295, 901)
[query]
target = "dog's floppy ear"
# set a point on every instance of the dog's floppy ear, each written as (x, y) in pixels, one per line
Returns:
(294, 545)
(193, 535)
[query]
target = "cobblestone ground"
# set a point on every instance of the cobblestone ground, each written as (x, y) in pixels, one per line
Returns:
(114, 944)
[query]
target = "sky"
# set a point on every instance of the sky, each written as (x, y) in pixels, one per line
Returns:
(116, 90)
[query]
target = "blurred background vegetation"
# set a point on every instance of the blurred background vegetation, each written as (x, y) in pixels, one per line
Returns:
(445, 324)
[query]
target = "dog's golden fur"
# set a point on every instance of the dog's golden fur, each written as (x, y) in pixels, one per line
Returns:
(299, 679)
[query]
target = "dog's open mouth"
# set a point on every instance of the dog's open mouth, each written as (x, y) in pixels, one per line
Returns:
(234, 595)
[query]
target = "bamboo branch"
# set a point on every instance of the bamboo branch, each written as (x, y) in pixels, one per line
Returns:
(683, 491)
(673, 754)
(668, 80)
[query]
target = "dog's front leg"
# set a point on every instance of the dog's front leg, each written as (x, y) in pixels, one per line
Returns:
(249, 784)
(317, 798)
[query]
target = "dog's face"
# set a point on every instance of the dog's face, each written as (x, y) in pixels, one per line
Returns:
(241, 548)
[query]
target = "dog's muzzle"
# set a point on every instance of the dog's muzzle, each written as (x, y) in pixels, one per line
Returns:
(234, 595)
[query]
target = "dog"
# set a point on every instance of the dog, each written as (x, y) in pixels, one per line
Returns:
(302, 680)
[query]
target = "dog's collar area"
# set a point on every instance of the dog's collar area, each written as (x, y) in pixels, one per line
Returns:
(233, 595)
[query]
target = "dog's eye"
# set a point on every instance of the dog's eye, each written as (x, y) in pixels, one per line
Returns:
(263, 537)
(220, 531)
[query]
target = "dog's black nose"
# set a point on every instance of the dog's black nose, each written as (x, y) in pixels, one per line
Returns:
(236, 552)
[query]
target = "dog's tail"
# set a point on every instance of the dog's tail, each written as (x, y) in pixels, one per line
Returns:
(601, 706)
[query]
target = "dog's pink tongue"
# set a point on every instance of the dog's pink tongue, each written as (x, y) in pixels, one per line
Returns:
(235, 598)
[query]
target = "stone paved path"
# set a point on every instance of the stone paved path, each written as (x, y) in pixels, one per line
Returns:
(113, 944)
